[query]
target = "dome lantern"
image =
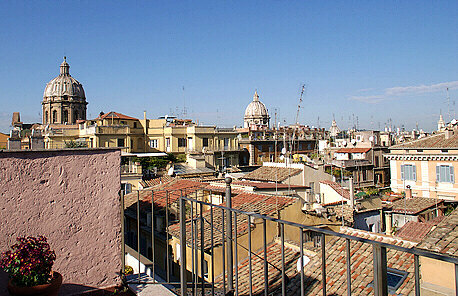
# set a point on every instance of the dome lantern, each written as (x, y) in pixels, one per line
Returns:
(64, 67)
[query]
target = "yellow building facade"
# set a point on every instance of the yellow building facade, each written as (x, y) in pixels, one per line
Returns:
(427, 166)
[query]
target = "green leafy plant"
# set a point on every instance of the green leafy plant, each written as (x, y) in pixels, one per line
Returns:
(74, 144)
(29, 262)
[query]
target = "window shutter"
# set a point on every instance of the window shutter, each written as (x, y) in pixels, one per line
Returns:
(414, 172)
(402, 172)
(438, 174)
(452, 175)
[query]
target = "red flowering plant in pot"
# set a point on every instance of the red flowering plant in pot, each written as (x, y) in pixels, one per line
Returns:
(29, 265)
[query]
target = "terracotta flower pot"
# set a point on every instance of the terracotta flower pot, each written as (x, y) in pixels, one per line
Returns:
(50, 289)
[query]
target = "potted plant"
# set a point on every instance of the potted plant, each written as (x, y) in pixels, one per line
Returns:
(29, 265)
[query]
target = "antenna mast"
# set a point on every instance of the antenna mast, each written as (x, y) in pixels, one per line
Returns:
(296, 123)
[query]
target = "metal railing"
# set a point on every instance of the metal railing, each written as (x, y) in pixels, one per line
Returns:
(194, 220)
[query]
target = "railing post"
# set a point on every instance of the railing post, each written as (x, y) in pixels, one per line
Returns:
(138, 235)
(230, 265)
(417, 275)
(123, 242)
(380, 276)
(456, 279)
(183, 246)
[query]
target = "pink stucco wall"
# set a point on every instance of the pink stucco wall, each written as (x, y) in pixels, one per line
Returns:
(71, 197)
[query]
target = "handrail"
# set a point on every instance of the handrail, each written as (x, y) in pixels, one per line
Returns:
(414, 251)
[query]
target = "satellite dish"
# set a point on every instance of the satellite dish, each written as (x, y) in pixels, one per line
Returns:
(283, 150)
(453, 121)
(306, 261)
(353, 141)
(371, 138)
(344, 143)
(282, 157)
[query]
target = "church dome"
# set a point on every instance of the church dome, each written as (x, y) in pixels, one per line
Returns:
(64, 85)
(256, 113)
(256, 108)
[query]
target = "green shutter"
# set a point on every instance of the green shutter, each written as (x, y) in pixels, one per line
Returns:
(402, 172)
(438, 179)
(452, 175)
(414, 170)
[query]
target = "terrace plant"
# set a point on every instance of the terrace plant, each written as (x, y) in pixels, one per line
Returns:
(29, 262)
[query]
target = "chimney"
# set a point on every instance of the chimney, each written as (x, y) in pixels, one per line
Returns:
(144, 114)
(408, 192)
(352, 193)
(448, 134)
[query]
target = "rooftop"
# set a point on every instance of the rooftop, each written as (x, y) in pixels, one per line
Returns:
(444, 238)
(414, 231)
(248, 202)
(414, 205)
(353, 150)
(435, 141)
(337, 188)
(272, 174)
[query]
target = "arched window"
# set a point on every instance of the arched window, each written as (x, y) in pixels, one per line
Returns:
(54, 116)
(46, 117)
(65, 116)
(75, 116)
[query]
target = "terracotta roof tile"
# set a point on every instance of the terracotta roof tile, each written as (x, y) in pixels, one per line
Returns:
(414, 231)
(435, 141)
(248, 202)
(116, 115)
(336, 278)
(444, 238)
(272, 174)
(415, 205)
(353, 150)
(156, 181)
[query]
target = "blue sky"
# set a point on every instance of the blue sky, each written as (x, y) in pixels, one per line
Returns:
(367, 60)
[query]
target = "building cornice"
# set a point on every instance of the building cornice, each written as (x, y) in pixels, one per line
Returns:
(425, 157)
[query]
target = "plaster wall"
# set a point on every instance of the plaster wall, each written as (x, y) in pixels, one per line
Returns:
(71, 197)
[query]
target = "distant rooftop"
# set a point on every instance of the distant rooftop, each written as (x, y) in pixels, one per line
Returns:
(437, 141)
(272, 174)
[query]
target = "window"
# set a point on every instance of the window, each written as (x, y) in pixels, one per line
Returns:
(445, 174)
(167, 141)
(394, 278)
(126, 187)
(153, 143)
(181, 142)
(311, 236)
(205, 269)
(408, 172)
(54, 116)
(65, 116)
(135, 124)
(226, 143)
(47, 117)
(205, 142)
(120, 142)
